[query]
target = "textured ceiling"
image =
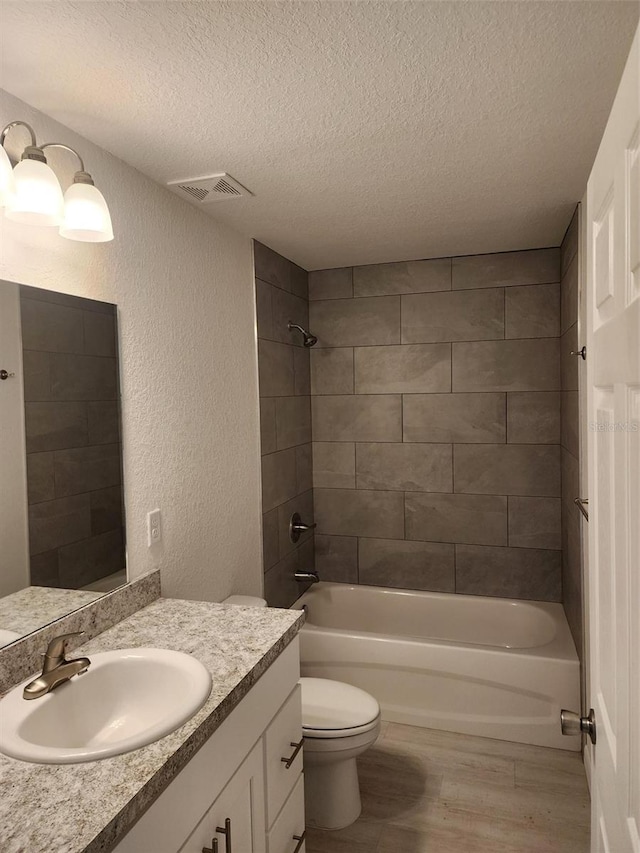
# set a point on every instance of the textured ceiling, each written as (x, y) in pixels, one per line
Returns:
(368, 131)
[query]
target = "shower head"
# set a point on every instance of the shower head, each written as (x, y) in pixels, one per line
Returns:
(309, 340)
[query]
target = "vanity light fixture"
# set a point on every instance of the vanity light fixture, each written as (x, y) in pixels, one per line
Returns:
(6, 178)
(31, 193)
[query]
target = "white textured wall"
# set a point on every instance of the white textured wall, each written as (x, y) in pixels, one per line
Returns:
(183, 284)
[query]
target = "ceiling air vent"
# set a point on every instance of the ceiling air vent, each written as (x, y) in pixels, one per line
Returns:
(218, 187)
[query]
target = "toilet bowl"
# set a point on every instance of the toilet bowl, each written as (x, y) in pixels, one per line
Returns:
(339, 722)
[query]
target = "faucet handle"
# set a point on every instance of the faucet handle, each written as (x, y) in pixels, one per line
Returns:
(297, 527)
(57, 646)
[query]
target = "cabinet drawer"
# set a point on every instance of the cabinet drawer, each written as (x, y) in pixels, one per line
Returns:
(281, 740)
(290, 823)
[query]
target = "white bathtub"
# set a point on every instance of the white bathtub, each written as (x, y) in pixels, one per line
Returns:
(484, 666)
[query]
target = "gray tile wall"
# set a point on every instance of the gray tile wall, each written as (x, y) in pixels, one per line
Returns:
(285, 419)
(72, 424)
(435, 409)
(571, 520)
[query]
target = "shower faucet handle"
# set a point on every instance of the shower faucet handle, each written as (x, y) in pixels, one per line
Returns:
(297, 524)
(297, 527)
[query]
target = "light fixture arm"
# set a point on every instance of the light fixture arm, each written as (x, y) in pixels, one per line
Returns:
(13, 124)
(81, 177)
(36, 152)
(31, 152)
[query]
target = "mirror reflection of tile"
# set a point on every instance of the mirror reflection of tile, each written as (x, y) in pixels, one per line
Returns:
(73, 440)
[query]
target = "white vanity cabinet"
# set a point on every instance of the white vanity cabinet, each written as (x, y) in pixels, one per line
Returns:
(237, 794)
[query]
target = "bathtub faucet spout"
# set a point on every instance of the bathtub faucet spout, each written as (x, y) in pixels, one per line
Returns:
(307, 577)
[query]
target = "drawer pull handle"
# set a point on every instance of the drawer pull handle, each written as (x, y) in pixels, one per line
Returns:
(213, 848)
(300, 840)
(297, 747)
(226, 831)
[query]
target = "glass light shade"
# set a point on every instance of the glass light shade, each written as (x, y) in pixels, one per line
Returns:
(86, 215)
(6, 178)
(37, 195)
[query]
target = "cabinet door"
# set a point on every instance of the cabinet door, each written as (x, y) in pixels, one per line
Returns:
(236, 819)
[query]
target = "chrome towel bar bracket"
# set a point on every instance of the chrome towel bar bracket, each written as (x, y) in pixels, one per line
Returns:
(582, 503)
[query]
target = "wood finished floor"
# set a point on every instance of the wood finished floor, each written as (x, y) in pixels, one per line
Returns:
(425, 791)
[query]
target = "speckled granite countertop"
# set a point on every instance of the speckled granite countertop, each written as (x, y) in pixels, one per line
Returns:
(35, 606)
(87, 807)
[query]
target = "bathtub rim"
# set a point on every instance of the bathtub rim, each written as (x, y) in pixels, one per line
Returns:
(561, 647)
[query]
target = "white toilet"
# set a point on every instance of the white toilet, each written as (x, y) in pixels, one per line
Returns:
(339, 722)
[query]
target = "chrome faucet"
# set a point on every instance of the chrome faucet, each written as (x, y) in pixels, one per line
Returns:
(307, 577)
(56, 669)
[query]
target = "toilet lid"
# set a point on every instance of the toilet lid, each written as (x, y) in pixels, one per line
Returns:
(332, 705)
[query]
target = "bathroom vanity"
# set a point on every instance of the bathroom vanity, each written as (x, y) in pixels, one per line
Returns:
(228, 781)
(243, 790)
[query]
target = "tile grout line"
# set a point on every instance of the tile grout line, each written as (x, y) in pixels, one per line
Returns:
(404, 516)
(504, 313)
(420, 343)
(453, 492)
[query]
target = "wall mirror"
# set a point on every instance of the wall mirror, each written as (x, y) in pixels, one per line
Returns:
(62, 524)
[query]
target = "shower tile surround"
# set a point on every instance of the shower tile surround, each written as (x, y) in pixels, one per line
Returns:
(436, 415)
(285, 421)
(434, 396)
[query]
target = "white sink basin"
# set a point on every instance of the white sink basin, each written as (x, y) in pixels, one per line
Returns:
(126, 699)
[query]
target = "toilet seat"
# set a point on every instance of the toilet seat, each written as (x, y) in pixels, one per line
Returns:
(325, 734)
(332, 709)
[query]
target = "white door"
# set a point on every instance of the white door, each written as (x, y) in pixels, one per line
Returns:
(613, 389)
(14, 533)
